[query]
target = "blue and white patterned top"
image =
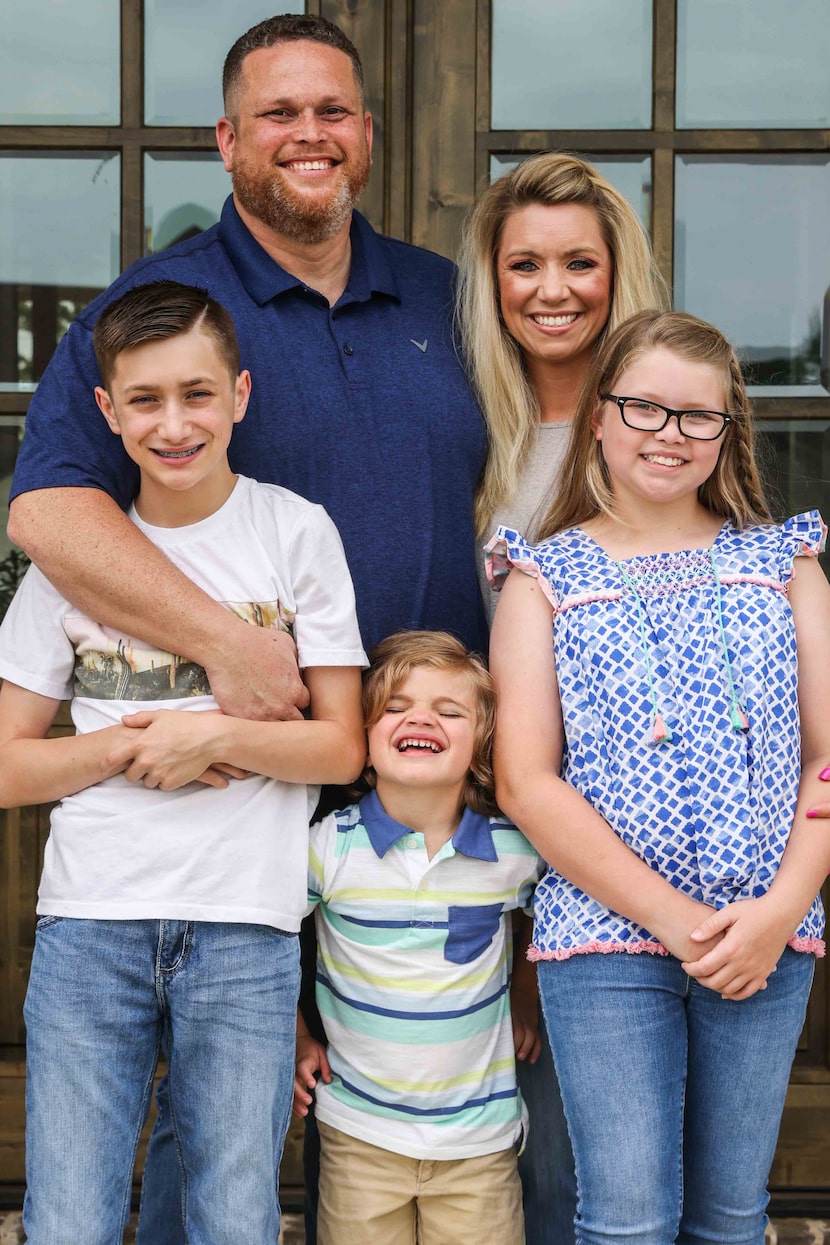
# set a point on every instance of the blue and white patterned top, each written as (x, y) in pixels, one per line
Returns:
(711, 808)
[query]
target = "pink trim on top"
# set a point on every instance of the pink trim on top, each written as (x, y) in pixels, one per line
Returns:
(588, 598)
(761, 580)
(813, 946)
(499, 563)
(603, 948)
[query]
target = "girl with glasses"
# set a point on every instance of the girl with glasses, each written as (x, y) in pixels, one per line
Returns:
(653, 754)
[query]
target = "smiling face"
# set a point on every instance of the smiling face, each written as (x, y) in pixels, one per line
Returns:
(555, 277)
(660, 467)
(174, 403)
(426, 735)
(298, 145)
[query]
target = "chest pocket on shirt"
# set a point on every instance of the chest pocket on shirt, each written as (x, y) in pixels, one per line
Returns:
(471, 930)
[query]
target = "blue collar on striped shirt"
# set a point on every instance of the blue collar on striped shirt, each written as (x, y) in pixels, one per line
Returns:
(473, 837)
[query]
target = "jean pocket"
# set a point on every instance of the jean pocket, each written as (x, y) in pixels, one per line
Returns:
(43, 922)
(471, 930)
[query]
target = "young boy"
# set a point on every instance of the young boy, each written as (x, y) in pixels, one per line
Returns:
(417, 1105)
(174, 877)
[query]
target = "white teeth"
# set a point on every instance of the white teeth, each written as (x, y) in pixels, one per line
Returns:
(554, 322)
(310, 166)
(424, 744)
(664, 460)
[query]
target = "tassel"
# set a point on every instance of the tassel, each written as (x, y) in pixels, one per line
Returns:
(738, 718)
(660, 733)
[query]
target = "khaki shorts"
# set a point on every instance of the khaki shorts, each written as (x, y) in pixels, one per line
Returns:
(370, 1196)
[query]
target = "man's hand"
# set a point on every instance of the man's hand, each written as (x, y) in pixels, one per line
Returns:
(254, 674)
(312, 1061)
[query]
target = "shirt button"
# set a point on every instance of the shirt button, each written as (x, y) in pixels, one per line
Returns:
(412, 842)
(347, 349)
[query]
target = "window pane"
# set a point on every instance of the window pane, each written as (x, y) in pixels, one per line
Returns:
(11, 430)
(185, 46)
(575, 64)
(631, 175)
(752, 254)
(795, 460)
(59, 247)
(753, 63)
(60, 63)
(183, 195)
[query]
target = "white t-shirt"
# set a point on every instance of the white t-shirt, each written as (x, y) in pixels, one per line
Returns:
(123, 851)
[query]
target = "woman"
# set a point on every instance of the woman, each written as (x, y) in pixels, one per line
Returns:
(552, 259)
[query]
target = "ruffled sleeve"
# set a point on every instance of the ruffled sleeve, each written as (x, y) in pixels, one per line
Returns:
(802, 536)
(507, 549)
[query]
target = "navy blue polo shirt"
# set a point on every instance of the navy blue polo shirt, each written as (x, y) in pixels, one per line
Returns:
(363, 407)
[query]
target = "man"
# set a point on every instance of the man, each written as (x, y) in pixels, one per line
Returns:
(359, 401)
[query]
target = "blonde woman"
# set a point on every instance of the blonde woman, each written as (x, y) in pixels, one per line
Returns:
(553, 257)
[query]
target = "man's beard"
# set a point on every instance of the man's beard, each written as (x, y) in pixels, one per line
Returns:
(267, 196)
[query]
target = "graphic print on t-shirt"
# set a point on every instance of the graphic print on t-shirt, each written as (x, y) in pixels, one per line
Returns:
(109, 666)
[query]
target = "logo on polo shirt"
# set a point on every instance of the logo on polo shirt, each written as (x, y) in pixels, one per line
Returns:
(422, 346)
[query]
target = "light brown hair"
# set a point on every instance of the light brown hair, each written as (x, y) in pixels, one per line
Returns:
(391, 663)
(156, 312)
(733, 490)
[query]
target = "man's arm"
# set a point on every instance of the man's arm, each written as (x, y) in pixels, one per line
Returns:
(85, 544)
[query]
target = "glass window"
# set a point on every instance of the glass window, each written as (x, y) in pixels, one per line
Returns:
(631, 175)
(575, 64)
(185, 46)
(183, 194)
(752, 254)
(60, 63)
(59, 247)
(753, 63)
(795, 461)
(11, 430)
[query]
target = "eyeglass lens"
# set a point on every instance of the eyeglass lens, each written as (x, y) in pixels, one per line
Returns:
(647, 417)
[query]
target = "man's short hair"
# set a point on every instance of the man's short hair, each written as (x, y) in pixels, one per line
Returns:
(156, 312)
(285, 28)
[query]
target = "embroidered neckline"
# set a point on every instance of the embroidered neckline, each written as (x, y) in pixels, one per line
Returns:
(696, 561)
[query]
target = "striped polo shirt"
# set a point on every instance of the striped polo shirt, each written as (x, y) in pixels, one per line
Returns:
(413, 977)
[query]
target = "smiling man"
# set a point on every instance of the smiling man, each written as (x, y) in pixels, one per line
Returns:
(358, 401)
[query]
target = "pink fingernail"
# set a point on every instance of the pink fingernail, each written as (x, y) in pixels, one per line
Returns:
(825, 774)
(811, 813)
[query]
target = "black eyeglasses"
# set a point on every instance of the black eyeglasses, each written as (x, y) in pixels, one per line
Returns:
(648, 416)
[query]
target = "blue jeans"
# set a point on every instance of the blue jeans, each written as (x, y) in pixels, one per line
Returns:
(673, 1095)
(104, 998)
(546, 1166)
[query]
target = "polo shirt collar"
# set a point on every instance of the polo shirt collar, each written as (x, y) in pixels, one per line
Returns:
(264, 279)
(473, 837)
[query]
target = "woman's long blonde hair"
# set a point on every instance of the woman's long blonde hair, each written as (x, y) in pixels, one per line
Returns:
(494, 360)
(733, 490)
